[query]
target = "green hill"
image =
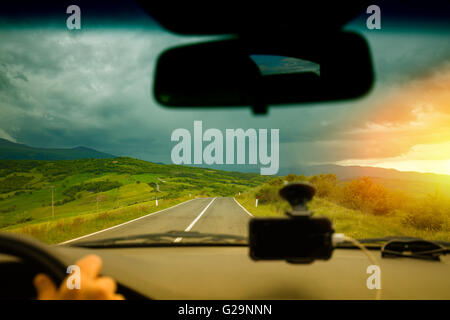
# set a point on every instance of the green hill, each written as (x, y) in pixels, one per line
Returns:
(16, 151)
(122, 188)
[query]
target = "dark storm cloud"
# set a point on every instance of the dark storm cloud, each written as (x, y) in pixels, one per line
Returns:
(4, 82)
(21, 76)
(62, 89)
(93, 88)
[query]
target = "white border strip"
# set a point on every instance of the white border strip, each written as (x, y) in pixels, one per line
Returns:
(122, 224)
(240, 205)
(195, 220)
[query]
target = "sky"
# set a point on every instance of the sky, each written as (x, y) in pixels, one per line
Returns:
(93, 87)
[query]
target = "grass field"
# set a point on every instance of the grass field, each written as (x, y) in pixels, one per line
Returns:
(94, 194)
(429, 219)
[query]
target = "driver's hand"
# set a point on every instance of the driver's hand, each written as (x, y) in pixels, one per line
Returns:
(92, 287)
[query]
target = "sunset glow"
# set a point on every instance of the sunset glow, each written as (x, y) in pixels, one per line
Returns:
(430, 166)
(408, 129)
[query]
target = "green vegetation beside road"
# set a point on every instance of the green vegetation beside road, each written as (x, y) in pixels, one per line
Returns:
(63, 229)
(360, 208)
(93, 194)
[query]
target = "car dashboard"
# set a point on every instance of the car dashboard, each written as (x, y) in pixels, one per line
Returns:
(228, 273)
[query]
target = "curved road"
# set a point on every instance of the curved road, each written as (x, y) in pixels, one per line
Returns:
(220, 215)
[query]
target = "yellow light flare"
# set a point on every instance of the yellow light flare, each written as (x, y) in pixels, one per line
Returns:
(407, 129)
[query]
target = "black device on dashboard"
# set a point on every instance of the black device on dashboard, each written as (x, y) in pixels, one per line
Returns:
(298, 238)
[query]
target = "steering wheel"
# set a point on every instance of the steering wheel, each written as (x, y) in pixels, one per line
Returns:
(34, 253)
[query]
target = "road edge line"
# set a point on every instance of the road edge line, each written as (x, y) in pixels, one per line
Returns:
(240, 205)
(124, 223)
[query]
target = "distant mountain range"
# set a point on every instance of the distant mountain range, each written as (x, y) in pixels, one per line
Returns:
(351, 172)
(16, 151)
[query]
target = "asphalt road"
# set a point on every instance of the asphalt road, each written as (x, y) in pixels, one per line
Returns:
(220, 215)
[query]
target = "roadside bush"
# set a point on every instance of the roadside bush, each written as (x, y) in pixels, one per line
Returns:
(276, 182)
(363, 194)
(325, 184)
(268, 194)
(432, 213)
(424, 221)
(290, 177)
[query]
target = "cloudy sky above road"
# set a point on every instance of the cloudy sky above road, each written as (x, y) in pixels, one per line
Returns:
(60, 88)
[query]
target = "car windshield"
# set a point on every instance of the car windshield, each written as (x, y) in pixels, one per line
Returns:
(88, 154)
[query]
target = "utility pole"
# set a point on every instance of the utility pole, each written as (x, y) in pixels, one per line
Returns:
(53, 205)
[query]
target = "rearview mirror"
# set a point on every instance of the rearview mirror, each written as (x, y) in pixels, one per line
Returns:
(263, 72)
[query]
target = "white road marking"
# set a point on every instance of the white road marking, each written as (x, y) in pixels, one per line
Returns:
(240, 205)
(195, 220)
(122, 224)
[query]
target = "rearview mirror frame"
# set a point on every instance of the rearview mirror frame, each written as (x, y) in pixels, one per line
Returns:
(222, 74)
